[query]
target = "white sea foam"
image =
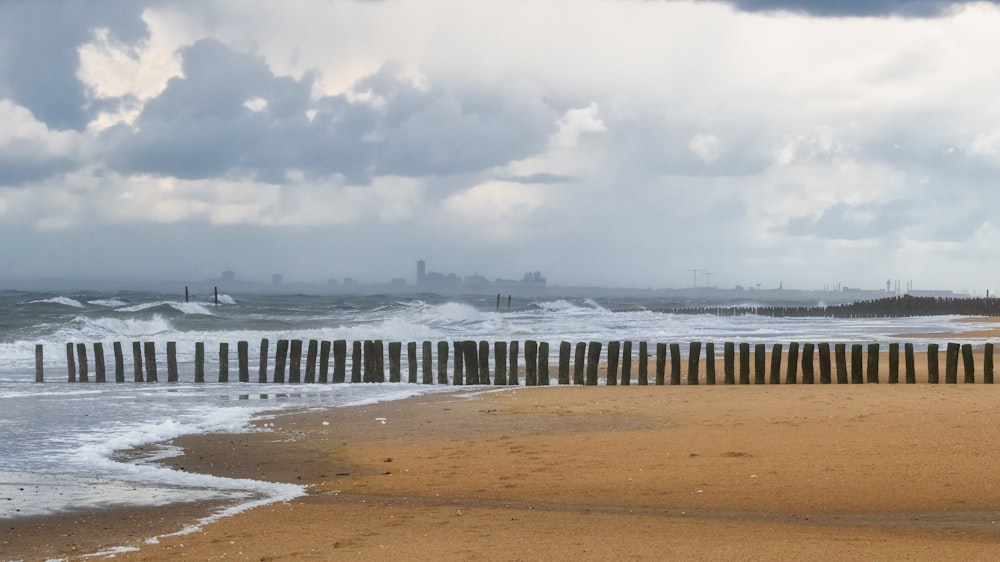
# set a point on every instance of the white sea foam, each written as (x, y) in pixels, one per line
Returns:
(108, 303)
(60, 300)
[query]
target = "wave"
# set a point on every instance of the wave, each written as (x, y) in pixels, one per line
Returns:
(184, 307)
(102, 328)
(108, 303)
(60, 300)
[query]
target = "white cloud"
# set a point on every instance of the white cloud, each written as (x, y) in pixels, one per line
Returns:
(707, 147)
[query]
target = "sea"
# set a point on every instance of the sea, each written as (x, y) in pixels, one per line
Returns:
(60, 442)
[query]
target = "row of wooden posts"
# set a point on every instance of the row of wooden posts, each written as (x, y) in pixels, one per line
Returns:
(471, 363)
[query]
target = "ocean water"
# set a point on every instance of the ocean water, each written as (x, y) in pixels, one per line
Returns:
(59, 439)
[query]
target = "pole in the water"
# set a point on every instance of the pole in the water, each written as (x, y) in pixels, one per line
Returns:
(498, 301)
(216, 295)
(508, 302)
(186, 296)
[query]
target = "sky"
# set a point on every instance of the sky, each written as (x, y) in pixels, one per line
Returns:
(794, 143)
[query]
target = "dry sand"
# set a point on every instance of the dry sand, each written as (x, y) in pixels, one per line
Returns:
(647, 473)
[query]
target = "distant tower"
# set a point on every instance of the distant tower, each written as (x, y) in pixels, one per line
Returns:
(421, 272)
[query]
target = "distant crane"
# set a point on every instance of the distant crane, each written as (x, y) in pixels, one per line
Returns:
(694, 276)
(708, 278)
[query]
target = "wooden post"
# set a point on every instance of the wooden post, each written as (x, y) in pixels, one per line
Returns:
(339, 361)
(988, 363)
(471, 356)
(512, 376)
(873, 357)
(312, 351)
(643, 363)
(412, 367)
(911, 371)
(744, 363)
(81, 362)
(150, 352)
(825, 372)
(593, 362)
(543, 363)
(530, 363)
(395, 361)
(840, 352)
(367, 361)
(243, 360)
(39, 363)
(775, 375)
(119, 361)
(932, 363)
(137, 375)
(614, 349)
(427, 362)
(199, 362)
(224, 361)
(759, 363)
(500, 362)
(71, 362)
(458, 377)
(627, 362)
(792, 367)
(951, 363)
(729, 363)
(969, 363)
(99, 373)
(565, 349)
(893, 363)
(579, 363)
(710, 363)
(295, 362)
(694, 357)
(675, 364)
(661, 363)
(484, 362)
(857, 376)
(172, 375)
(379, 361)
(324, 361)
(280, 359)
(808, 376)
(262, 367)
(442, 371)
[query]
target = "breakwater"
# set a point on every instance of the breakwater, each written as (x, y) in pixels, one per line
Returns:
(890, 307)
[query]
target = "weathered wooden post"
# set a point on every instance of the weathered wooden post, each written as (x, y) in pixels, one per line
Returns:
(565, 348)
(775, 373)
(543, 363)
(593, 362)
(99, 373)
(324, 361)
(172, 375)
(825, 371)
(857, 352)
(199, 362)
(792, 367)
(71, 362)
(579, 363)
(951, 363)
(262, 367)
(807, 363)
(458, 377)
(81, 362)
(150, 352)
(442, 370)
(311, 353)
(484, 362)
(729, 363)
(675, 364)
(744, 363)
(933, 374)
(840, 352)
(295, 362)
(530, 363)
(513, 377)
(500, 362)
(243, 360)
(39, 363)
(710, 363)
(379, 361)
(988, 363)
(471, 357)
(893, 363)
(694, 356)
(661, 363)
(280, 359)
(627, 362)
(137, 361)
(969, 363)
(119, 361)
(759, 363)
(614, 350)
(224, 361)
(911, 371)
(339, 361)
(368, 361)
(873, 357)
(412, 367)
(395, 361)
(643, 363)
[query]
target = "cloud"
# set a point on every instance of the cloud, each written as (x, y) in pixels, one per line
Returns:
(29, 150)
(847, 8)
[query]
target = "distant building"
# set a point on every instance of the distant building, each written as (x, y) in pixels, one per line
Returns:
(277, 279)
(434, 282)
(228, 276)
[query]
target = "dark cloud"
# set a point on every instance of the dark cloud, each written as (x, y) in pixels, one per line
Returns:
(541, 177)
(843, 221)
(848, 8)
